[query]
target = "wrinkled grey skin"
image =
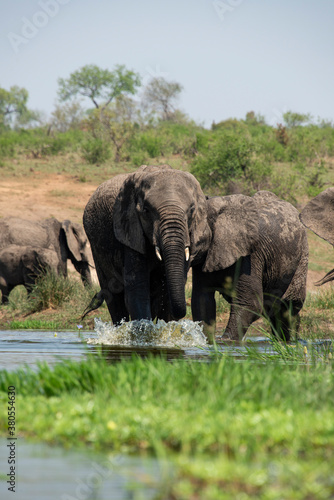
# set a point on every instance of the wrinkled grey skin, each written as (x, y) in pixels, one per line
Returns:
(66, 238)
(21, 265)
(257, 260)
(318, 215)
(129, 221)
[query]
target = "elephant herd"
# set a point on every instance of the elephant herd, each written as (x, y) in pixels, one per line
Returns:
(147, 228)
(27, 248)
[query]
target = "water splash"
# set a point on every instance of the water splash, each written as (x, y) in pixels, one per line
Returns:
(145, 333)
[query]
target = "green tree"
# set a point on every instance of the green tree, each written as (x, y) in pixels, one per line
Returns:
(101, 86)
(13, 106)
(115, 123)
(295, 119)
(160, 96)
(281, 135)
(67, 117)
(253, 119)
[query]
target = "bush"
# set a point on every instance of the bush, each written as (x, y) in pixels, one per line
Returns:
(228, 159)
(8, 145)
(179, 138)
(139, 158)
(316, 179)
(69, 140)
(38, 142)
(52, 291)
(148, 143)
(95, 151)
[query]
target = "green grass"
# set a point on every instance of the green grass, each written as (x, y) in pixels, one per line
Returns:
(55, 303)
(322, 300)
(34, 324)
(253, 429)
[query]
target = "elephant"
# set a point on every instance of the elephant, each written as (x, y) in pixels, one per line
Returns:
(21, 265)
(257, 260)
(318, 215)
(66, 238)
(146, 229)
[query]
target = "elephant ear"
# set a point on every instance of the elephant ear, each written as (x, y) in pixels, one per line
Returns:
(318, 215)
(200, 232)
(75, 238)
(127, 226)
(29, 260)
(234, 223)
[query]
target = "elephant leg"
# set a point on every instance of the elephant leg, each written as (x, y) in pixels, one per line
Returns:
(246, 304)
(116, 306)
(5, 290)
(136, 285)
(241, 317)
(285, 319)
(203, 304)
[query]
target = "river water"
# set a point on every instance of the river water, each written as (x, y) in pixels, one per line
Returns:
(53, 473)
(174, 340)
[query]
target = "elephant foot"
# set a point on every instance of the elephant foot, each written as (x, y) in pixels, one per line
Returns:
(210, 332)
(231, 336)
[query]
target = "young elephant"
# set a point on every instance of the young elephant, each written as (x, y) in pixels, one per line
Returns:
(257, 260)
(21, 265)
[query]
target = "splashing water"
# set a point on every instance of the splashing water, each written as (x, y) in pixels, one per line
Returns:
(145, 333)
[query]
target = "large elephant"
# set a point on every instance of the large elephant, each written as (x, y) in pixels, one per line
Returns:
(145, 230)
(257, 260)
(21, 265)
(66, 238)
(318, 215)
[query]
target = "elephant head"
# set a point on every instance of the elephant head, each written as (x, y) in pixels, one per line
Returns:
(77, 248)
(162, 208)
(37, 260)
(234, 223)
(318, 215)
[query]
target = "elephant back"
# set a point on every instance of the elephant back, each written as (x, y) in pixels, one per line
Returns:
(98, 215)
(17, 231)
(279, 219)
(283, 246)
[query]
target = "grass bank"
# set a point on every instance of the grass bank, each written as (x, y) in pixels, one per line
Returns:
(233, 430)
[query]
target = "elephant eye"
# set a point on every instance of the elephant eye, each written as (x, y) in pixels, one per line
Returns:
(191, 210)
(142, 207)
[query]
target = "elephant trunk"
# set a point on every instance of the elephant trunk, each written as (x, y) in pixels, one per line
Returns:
(84, 269)
(174, 245)
(86, 276)
(328, 277)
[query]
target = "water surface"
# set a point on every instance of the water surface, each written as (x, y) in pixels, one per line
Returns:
(29, 347)
(174, 340)
(53, 473)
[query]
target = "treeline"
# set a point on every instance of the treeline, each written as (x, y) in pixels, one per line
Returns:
(292, 159)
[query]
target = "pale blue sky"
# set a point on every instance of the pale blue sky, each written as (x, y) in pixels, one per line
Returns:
(231, 56)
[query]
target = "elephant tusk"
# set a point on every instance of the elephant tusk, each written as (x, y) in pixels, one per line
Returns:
(187, 252)
(157, 252)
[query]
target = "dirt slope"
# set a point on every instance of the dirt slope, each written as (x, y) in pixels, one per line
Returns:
(40, 196)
